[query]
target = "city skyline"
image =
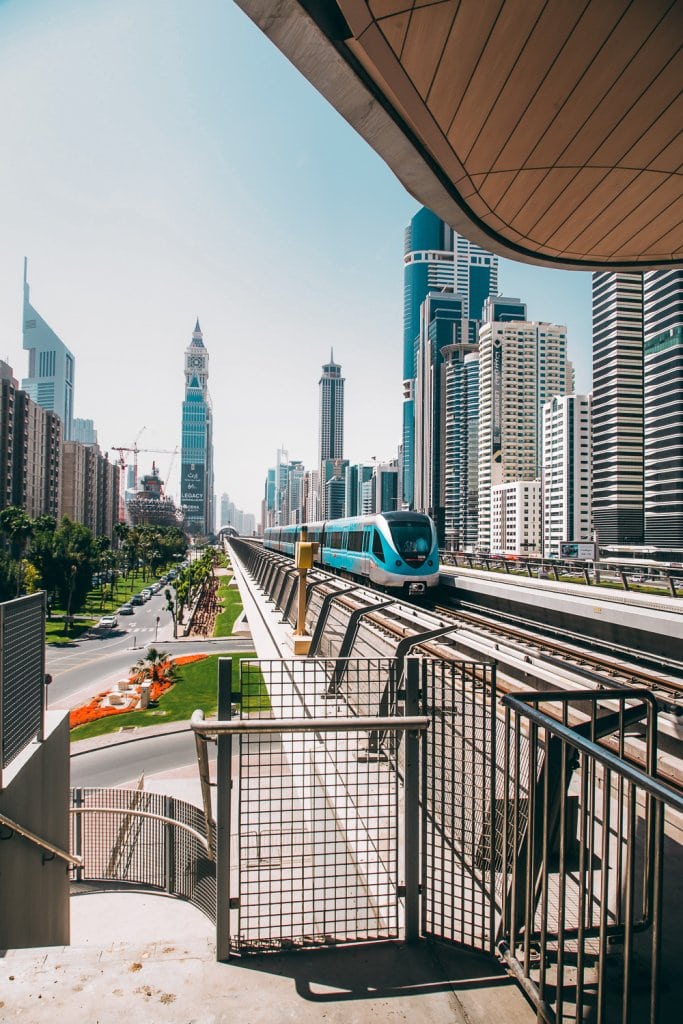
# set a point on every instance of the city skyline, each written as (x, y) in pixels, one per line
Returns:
(194, 193)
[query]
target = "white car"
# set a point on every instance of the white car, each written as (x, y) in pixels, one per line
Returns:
(108, 622)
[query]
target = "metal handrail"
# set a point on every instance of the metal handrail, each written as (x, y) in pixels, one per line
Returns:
(366, 723)
(45, 844)
(142, 814)
(653, 786)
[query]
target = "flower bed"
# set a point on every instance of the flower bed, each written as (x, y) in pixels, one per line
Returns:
(99, 706)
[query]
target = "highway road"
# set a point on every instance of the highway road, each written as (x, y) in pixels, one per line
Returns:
(101, 657)
(123, 763)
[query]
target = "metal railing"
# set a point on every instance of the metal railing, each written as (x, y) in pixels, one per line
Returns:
(44, 844)
(143, 838)
(581, 857)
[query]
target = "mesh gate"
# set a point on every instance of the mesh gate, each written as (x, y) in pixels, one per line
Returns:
(318, 832)
(461, 761)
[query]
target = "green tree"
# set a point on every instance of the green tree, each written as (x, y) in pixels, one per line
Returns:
(17, 526)
(154, 667)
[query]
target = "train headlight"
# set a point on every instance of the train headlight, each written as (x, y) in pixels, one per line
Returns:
(398, 561)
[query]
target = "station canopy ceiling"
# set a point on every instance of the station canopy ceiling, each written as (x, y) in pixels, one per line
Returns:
(545, 130)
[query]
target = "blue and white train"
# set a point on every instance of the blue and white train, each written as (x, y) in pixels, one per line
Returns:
(394, 550)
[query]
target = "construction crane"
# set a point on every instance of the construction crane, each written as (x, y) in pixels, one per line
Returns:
(122, 459)
(135, 450)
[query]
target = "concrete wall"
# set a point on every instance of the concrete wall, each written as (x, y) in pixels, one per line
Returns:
(34, 895)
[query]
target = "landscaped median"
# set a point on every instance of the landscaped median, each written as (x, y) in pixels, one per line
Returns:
(230, 603)
(177, 687)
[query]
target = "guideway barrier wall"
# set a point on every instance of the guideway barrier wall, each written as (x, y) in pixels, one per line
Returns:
(539, 842)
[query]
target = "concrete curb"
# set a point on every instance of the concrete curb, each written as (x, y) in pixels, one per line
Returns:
(115, 739)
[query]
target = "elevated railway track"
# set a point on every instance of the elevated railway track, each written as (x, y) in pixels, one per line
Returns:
(527, 656)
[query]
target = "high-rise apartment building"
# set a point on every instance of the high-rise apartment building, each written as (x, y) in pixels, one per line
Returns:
(460, 446)
(522, 364)
(663, 407)
(436, 259)
(31, 446)
(443, 327)
(516, 517)
(331, 422)
(83, 431)
(617, 414)
(50, 381)
(354, 478)
(90, 488)
(196, 470)
(566, 472)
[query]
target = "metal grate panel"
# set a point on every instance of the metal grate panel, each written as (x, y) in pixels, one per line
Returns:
(459, 785)
(144, 850)
(22, 675)
(318, 817)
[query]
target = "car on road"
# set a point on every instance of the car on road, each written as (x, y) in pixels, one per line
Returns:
(126, 609)
(637, 579)
(108, 621)
(137, 599)
(146, 593)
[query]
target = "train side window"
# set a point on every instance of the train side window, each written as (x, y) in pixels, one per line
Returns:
(377, 548)
(366, 539)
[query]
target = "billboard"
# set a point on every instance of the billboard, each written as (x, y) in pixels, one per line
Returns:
(585, 550)
(192, 490)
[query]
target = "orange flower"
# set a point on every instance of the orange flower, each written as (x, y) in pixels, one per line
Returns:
(187, 659)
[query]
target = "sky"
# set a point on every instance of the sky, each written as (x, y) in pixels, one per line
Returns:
(162, 161)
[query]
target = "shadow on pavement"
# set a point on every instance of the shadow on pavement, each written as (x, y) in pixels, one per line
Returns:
(382, 970)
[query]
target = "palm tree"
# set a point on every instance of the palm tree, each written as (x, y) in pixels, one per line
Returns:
(154, 667)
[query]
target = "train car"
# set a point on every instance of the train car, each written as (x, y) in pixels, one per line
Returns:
(393, 550)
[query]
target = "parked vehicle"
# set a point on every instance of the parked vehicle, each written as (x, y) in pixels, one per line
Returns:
(137, 599)
(126, 609)
(108, 622)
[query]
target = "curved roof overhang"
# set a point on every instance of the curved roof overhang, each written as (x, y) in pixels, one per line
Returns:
(548, 131)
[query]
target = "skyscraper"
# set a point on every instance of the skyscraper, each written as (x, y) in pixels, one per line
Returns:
(663, 407)
(436, 260)
(50, 381)
(196, 470)
(522, 364)
(618, 475)
(331, 422)
(566, 476)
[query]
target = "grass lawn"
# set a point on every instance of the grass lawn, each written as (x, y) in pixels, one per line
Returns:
(196, 688)
(230, 598)
(54, 631)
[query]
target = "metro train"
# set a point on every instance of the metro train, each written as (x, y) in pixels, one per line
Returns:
(393, 550)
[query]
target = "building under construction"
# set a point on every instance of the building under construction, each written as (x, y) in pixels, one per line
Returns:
(151, 507)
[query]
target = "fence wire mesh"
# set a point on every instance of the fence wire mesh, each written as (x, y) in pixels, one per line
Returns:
(130, 847)
(22, 674)
(318, 816)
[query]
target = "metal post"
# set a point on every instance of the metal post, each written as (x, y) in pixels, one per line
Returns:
(169, 845)
(301, 605)
(412, 805)
(223, 811)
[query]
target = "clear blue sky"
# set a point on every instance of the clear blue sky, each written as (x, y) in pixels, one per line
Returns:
(162, 161)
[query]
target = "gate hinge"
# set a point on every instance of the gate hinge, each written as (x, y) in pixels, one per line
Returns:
(234, 903)
(401, 891)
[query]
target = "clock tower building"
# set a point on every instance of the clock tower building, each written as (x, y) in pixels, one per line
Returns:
(196, 471)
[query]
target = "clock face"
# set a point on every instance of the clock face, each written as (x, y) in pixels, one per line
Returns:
(196, 361)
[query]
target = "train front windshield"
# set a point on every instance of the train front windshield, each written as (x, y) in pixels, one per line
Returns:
(413, 540)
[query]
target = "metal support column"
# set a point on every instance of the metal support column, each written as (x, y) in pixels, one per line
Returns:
(412, 837)
(223, 811)
(323, 616)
